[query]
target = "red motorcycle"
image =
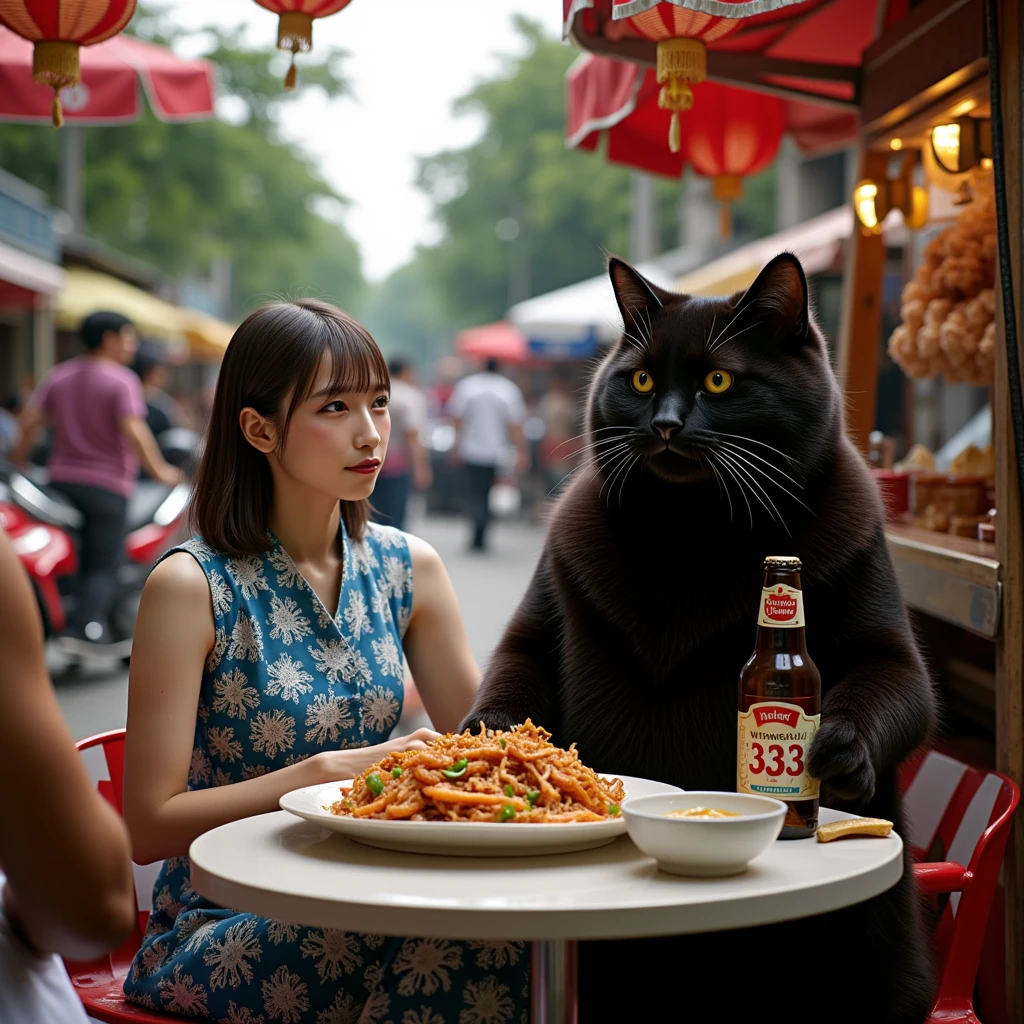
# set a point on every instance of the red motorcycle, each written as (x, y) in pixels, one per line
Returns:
(43, 528)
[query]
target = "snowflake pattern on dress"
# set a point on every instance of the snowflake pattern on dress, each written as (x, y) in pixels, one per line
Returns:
(284, 681)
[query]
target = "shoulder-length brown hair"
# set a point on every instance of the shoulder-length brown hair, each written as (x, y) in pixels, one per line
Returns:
(271, 365)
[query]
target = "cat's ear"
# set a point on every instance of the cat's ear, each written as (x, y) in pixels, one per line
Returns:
(778, 301)
(637, 297)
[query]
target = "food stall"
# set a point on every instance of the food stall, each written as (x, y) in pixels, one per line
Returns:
(940, 119)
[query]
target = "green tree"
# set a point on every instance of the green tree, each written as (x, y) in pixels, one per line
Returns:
(180, 196)
(570, 206)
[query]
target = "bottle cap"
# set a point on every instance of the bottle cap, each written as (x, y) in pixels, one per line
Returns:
(781, 562)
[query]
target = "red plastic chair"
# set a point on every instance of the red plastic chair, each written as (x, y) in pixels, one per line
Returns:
(99, 984)
(961, 815)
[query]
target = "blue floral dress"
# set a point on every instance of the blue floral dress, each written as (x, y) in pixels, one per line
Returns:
(284, 681)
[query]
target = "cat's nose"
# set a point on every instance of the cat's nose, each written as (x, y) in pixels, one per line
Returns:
(666, 426)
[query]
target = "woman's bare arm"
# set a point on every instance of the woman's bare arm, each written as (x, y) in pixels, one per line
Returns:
(62, 846)
(440, 659)
(174, 633)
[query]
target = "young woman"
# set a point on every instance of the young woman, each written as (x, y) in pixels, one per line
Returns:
(268, 656)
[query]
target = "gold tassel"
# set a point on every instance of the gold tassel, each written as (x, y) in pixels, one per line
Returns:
(681, 62)
(675, 133)
(55, 63)
(292, 77)
(726, 188)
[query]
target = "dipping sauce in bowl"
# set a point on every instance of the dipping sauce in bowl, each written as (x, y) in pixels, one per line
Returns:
(704, 813)
(705, 832)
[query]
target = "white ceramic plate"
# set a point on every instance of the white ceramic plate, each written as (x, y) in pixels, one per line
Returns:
(465, 838)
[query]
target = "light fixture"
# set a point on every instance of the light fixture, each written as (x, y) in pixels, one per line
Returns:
(962, 143)
(873, 199)
(895, 145)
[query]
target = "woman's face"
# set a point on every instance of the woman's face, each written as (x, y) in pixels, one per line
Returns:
(337, 440)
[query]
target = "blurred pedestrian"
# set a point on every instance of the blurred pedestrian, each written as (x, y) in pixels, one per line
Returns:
(407, 463)
(68, 888)
(10, 431)
(96, 409)
(162, 412)
(557, 410)
(487, 410)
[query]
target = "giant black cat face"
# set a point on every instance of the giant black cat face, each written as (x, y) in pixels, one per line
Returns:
(735, 387)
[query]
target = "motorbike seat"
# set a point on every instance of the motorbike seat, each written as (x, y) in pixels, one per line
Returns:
(43, 502)
(146, 499)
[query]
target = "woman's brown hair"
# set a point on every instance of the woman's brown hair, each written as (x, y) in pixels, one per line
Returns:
(271, 365)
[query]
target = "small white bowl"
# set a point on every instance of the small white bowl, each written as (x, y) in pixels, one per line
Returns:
(703, 846)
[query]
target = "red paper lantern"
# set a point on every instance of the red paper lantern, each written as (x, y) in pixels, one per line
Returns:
(295, 25)
(57, 28)
(729, 135)
(682, 28)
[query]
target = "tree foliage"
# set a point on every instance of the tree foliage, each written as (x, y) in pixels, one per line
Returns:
(571, 206)
(180, 196)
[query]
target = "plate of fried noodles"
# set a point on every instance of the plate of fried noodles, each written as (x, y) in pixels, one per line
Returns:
(490, 793)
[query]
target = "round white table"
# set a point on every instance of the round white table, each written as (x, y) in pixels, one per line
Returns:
(278, 866)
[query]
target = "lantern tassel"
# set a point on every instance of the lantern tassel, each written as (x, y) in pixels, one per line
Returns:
(681, 62)
(675, 133)
(56, 111)
(725, 221)
(291, 78)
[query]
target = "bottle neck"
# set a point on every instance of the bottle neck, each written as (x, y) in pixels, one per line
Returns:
(781, 588)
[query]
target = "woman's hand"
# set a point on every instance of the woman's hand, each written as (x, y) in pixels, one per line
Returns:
(338, 765)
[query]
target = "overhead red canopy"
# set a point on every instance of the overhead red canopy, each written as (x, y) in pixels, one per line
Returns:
(499, 340)
(177, 89)
(809, 48)
(620, 100)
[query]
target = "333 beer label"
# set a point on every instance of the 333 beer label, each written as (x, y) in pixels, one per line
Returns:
(773, 741)
(781, 606)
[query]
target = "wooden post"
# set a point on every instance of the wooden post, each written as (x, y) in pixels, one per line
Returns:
(861, 321)
(1009, 524)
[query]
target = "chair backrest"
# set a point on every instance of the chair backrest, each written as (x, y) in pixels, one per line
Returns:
(104, 758)
(962, 814)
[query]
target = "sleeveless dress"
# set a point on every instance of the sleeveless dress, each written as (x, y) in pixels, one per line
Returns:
(284, 681)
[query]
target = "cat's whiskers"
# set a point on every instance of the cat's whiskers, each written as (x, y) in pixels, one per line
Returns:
(722, 487)
(785, 490)
(622, 483)
(739, 483)
(759, 493)
(710, 332)
(592, 461)
(733, 337)
(611, 473)
(743, 437)
(739, 448)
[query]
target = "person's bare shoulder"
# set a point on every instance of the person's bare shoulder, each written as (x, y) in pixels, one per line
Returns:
(179, 575)
(425, 559)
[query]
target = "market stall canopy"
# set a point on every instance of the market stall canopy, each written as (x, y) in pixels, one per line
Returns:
(583, 316)
(88, 291)
(499, 340)
(816, 242)
(572, 322)
(619, 100)
(207, 336)
(177, 89)
(22, 270)
(803, 49)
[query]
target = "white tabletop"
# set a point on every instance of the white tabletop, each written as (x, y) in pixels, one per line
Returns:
(278, 866)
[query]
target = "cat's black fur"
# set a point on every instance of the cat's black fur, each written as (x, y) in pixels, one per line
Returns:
(642, 610)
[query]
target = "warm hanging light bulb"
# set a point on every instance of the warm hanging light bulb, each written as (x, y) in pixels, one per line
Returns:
(866, 203)
(946, 146)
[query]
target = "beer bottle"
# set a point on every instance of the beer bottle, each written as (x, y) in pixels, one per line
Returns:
(780, 703)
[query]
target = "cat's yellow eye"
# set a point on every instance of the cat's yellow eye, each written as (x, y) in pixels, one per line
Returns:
(642, 382)
(718, 381)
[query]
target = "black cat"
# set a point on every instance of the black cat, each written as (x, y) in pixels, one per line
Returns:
(716, 437)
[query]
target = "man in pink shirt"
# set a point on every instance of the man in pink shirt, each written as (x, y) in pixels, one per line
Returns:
(96, 410)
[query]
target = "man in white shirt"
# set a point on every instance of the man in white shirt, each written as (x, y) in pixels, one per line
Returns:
(487, 410)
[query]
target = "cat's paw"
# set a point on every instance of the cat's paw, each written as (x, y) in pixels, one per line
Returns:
(842, 761)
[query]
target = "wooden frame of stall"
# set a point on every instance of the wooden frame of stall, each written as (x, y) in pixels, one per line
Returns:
(934, 63)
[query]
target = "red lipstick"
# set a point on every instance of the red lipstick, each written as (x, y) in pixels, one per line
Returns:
(367, 466)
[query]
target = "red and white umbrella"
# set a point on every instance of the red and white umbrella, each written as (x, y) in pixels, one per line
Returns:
(114, 74)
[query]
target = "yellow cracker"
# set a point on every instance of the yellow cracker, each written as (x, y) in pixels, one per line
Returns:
(853, 827)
